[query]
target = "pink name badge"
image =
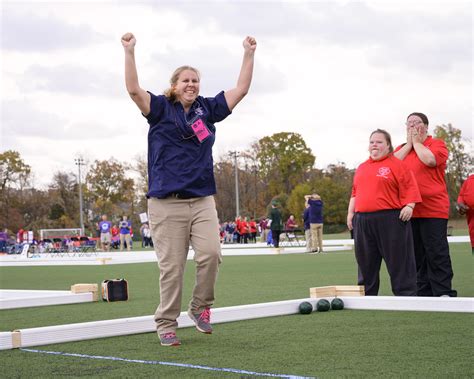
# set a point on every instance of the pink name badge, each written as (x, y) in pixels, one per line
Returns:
(200, 130)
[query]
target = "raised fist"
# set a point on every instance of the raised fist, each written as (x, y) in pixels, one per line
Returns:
(250, 43)
(128, 40)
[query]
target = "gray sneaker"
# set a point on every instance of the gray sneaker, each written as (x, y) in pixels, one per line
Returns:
(169, 339)
(202, 320)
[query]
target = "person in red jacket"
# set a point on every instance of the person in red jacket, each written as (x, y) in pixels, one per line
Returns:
(253, 230)
(384, 194)
(244, 230)
(465, 205)
(426, 157)
(291, 223)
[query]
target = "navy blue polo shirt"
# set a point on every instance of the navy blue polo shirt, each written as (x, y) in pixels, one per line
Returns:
(315, 211)
(177, 161)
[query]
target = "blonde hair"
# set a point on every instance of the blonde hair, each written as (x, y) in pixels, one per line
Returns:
(169, 93)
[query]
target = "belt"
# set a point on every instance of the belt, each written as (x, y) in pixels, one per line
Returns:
(177, 195)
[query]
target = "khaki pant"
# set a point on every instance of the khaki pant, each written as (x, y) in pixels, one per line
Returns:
(317, 236)
(175, 224)
(125, 238)
(309, 241)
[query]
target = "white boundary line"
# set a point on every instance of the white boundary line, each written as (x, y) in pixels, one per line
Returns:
(11, 299)
(174, 364)
(144, 324)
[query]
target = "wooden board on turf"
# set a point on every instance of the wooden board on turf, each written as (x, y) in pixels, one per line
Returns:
(333, 291)
(318, 292)
(84, 287)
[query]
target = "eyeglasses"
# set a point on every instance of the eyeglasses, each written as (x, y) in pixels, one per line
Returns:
(411, 123)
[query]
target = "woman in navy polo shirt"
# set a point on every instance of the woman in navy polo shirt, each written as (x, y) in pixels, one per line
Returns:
(181, 205)
(383, 197)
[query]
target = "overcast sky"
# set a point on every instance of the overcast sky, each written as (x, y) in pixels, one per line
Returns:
(332, 71)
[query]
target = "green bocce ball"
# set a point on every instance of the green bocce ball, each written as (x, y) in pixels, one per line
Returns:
(323, 305)
(337, 304)
(305, 308)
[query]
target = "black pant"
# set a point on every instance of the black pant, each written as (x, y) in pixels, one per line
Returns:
(276, 237)
(382, 235)
(433, 263)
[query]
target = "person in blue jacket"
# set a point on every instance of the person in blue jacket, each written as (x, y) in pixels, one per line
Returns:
(316, 221)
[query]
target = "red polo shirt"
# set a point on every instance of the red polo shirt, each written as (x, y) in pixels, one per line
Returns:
(466, 196)
(384, 184)
(430, 180)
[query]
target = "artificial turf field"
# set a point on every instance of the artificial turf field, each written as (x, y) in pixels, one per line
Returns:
(347, 343)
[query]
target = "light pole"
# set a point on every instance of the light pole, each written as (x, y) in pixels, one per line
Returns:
(236, 172)
(80, 162)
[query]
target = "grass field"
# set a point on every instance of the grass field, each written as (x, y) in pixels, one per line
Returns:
(327, 345)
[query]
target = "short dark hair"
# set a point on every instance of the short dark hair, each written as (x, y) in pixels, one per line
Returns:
(420, 115)
(388, 138)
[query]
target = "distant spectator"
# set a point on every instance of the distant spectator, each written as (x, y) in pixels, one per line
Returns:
(98, 231)
(253, 230)
(263, 225)
(115, 231)
(243, 229)
(316, 221)
(275, 224)
(105, 227)
(229, 232)
(238, 221)
(115, 243)
(142, 235)
(125, 233)
(20, 236)
(465, 205)
(3, 241)
(145, 233)
(307, 229)
(291, 223)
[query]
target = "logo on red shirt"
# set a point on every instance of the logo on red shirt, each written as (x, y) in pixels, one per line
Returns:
(384, 172)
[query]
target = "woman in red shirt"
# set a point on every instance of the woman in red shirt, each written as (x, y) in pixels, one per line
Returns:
(291, 223)
(465, 205)
(253, 230)
(244, 230)
(426, 157)
(384, 194)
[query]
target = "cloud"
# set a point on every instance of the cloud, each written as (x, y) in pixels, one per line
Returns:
(25, 31)
(417, 40)
(71, 79)
(21, 119)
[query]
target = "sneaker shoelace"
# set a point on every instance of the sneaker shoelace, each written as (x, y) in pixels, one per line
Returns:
(205, 315)
(169, 335)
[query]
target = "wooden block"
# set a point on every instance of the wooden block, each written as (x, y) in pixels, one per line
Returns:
(318, 292)
(95, 295)
(82, 288)
(350, 291)
(16, 339)
(350, 288)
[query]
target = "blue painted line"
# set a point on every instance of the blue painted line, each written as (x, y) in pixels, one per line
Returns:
(185, 365)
